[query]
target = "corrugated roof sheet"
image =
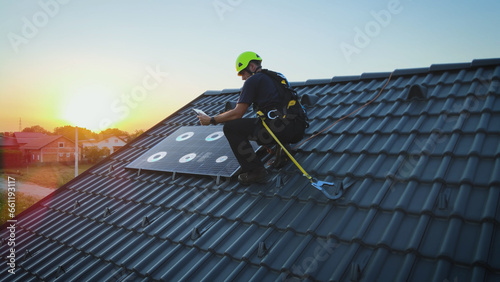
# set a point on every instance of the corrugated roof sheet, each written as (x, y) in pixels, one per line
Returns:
(423, 206)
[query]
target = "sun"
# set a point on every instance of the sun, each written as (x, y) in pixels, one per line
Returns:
(88, 107)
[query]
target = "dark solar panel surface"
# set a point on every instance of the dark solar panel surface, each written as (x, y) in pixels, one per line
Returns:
(201, 150)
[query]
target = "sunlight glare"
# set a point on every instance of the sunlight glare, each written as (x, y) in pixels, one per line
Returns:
(87, 107)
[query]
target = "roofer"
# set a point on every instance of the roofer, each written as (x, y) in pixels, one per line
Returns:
(268, 92)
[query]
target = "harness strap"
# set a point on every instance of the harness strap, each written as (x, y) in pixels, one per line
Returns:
(263, 117)
(274, 112)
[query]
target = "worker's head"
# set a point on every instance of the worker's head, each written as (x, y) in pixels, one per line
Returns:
(247, 64)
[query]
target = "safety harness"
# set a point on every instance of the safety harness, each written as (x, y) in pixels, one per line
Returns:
(291, 107)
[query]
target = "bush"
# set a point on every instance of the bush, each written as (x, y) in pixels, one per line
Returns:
(93, 154)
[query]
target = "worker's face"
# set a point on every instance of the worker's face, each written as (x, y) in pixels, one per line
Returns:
(245, 75)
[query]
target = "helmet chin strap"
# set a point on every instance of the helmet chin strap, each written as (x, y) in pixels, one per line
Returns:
(256, 69)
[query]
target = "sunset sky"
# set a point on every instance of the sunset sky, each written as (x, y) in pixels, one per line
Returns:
(129, 64)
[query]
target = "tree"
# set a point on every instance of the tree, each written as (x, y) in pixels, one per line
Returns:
(37, 129)
(113, 132)
(94, 154)
(68, 131)
(136, 134)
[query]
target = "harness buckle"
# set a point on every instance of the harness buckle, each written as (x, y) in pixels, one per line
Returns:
(273, 114)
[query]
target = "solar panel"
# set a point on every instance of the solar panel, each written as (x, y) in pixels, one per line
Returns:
(201, 150)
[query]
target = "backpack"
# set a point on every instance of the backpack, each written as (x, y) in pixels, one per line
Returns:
(291, 107)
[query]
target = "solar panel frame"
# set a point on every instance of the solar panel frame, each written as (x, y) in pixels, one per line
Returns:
(199, 150)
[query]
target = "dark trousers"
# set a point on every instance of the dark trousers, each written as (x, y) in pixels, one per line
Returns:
(240, 131)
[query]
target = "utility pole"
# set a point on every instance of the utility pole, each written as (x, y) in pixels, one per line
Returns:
(76, 151)
(20, 125)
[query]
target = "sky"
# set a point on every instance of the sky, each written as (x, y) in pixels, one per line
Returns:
(130, 64)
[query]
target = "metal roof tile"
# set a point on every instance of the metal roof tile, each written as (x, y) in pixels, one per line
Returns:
(176, 271)
(215, 235)
(247, 245)
(432, 240)
(494, 257)
(408, 72)
(372, 233)
(495, 172)
(317, 81)
(160, 252)
(109, 271)
(454, 66)
(485, 62)
(375, 75)
(338, 79)
(399, 232)
(217, 268)
(120, 249)
(74, 271)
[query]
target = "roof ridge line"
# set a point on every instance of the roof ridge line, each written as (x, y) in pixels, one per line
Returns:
(475, 63)
(406, 71)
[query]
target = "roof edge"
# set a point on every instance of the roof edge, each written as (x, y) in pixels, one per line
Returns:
(410, 71)
(346, 78)
(317, 81)
(375, 75)
(219, 92)
(485, 62)
(446, 67)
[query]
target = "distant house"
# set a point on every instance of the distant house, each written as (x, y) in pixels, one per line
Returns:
(38, 147)
(8, 142)
(113, 143)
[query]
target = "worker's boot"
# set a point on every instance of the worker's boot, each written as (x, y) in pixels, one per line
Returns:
(281, 158)
(258, 175)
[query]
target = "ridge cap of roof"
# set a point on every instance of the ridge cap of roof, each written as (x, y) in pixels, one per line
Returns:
(485, 62)
(223, 91)
(317, 81)
(449, 66)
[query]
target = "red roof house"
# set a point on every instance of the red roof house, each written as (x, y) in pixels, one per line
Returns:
(55, 148)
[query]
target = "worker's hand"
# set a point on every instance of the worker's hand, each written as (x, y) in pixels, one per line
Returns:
(204, 119)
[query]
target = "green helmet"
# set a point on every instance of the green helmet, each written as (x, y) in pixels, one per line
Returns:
(244, 59)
